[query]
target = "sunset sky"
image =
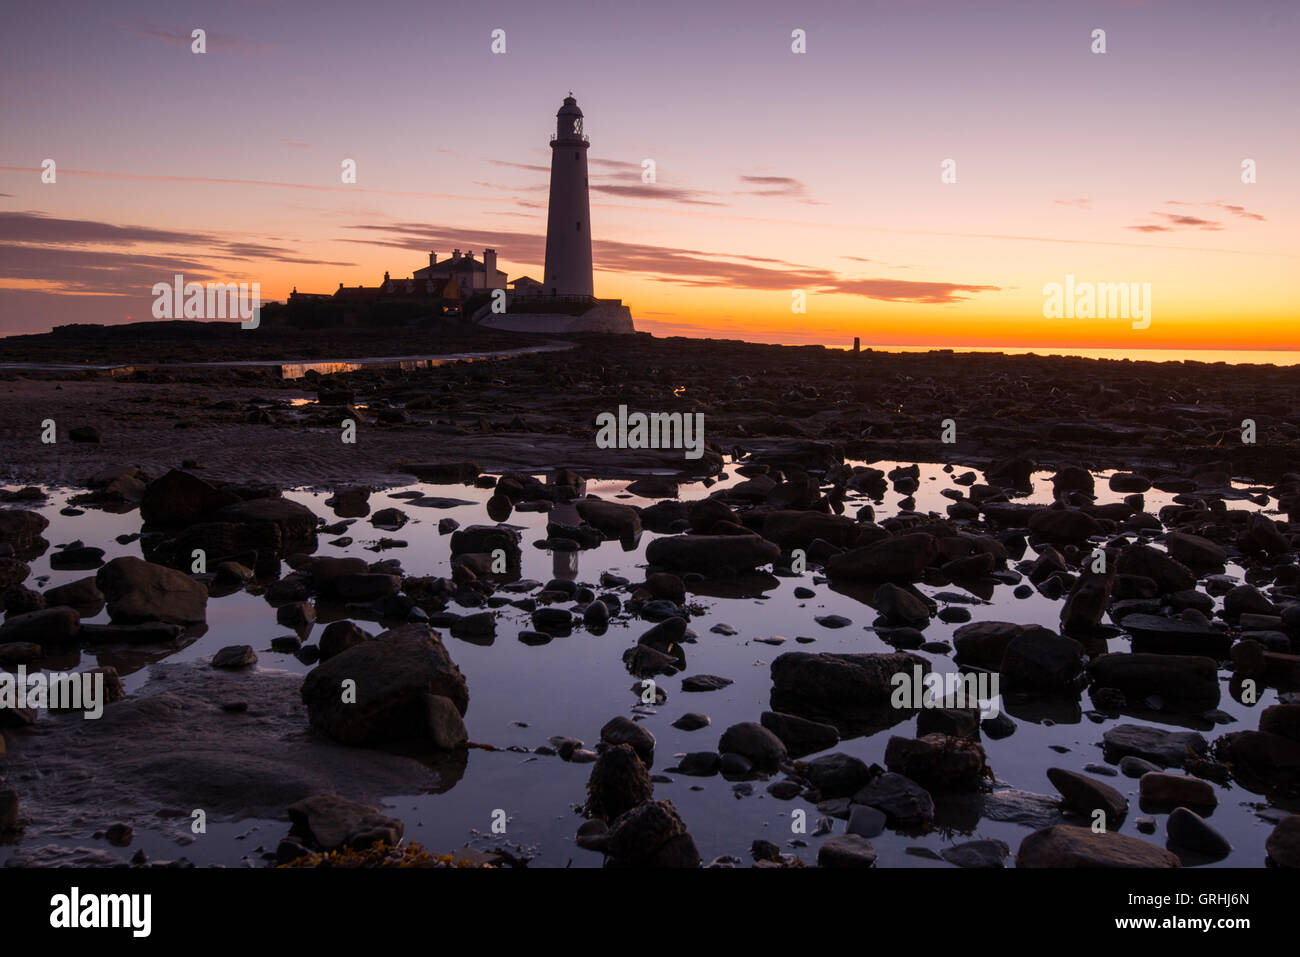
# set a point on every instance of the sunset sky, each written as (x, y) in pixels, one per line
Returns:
(776, 171)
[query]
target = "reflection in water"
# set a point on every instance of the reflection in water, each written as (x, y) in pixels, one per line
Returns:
(521, 694)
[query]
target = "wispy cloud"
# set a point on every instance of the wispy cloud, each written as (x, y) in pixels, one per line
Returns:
(685, 267)
(786, 186)
(182, 36)
(1076, 203)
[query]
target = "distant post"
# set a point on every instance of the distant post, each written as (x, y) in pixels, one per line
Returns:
(857, 344)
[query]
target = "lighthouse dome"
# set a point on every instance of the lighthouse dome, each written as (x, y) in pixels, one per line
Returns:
(570, 107)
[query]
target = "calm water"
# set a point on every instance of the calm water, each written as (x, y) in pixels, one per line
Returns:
(522, 695)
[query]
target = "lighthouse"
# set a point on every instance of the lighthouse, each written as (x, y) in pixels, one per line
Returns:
(568, 221)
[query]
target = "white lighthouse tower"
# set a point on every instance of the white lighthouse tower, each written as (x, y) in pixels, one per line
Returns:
(568, 223)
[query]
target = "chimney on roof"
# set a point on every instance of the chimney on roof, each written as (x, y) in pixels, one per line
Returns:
(433, 259)
(490, 262)
(455, 254)
(470, 254)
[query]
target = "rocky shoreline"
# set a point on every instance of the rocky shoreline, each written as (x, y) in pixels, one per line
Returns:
(1164, 592)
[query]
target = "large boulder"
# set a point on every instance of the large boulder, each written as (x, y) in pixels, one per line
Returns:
(763, 749)
(842, 690)
(46, 626)
(652, 834)
(22, 529)
(708, 553)
(140, 591)
(798, 529)
(899, 558)
(1169, 575)
(1038, 661)
(613, 519)
(1186, 682)
(393, 674)
(1064, 845)
(328, 822)
(179, 498)
(296, 523)
(938, 762)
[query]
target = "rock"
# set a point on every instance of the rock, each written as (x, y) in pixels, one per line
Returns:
(234, 656)
(295, 523)
(691, 721)
(1182, 681)
(619, 782)
(13, 572)
(735, 765)
(1195, 551)
(709, 553)
(1086, 603)
(446, 726)
(1260, 761)
(799, 735)
(1063, 845)
(652, 834)
(1072, 478)
(905, 803)
(367, 587)
(938, 762)
(1085, 795)
(1132, 766)
(1246, 599)
(338, 637)
(984, 642)
(1064, 525)
(704, 683)
(1041, 661)
(1159, 788)
(1283, 719)
(899, 558)
(840, 689)
(1169, 575)
(393, 675)
(16, 653)
(799, 529)
(837, 775)
(329, 823)
(622, 730)
(1189, 831)
(611, 518)
(866, 821)
(1129, 482)
(180, 498)
(699, 764)
(1171, 636)
(596, 616)
(1283, 844)
(140, 591)
(21, 529)
(901, 606)
(955, 722)
(1165, 748)
(989, 852)
(763, 749)
(297, 614)
(49, 626)
(846, 850)
(74, 557)
(389, 519)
